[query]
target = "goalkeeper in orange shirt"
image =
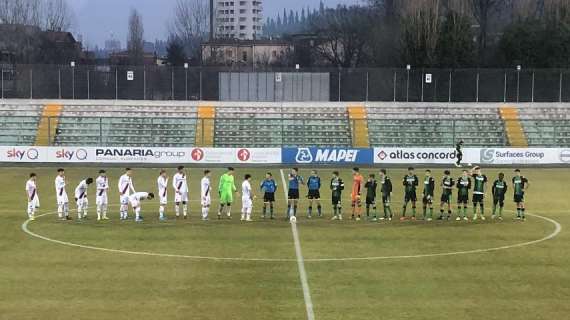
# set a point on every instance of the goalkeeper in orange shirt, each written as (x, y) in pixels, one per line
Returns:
(356, 193)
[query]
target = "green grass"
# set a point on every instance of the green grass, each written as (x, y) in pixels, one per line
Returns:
(44, 280)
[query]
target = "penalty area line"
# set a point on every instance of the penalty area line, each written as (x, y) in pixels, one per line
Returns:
(300, 261)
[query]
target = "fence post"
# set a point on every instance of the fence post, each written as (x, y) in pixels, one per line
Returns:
(49, 131)
(201, 84)
(73, 83)
(31, 83)
(144, 82)
(395, 85)
(505, 88)
(88, 86)
(172, 83)
(449, 87)
(367, 75)
(116, 83)
(422, 80)
(453, 131)
(100, 131)
(408, 85)
(339, 75)
(477, 88)
(518, 84)
(59, 82)
(560, 88)
(2, 71)
(532, 88)
(186, 83)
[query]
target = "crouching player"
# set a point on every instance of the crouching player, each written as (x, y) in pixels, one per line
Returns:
(246, 199)
(61, 195)
(101, 200)
(446, 191)
(162, 183)
(205, 199)
(33, 197)
(499, 189)
(135, 199)
(337, 185)
(520, 184)
(81, 198)
(269, 187)
(386, 188)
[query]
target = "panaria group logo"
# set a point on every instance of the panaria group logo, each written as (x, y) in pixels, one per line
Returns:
(243, 155)
(197, 154)
(79, 154)
(23, 154)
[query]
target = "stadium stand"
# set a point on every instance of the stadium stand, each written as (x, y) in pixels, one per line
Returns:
(257, 124)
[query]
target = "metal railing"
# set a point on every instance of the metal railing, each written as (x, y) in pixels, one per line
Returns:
(362, 84)
(273, 132)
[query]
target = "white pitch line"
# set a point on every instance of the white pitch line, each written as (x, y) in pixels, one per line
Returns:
(300, 261)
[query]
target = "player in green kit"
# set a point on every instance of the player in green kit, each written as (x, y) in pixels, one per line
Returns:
(446, 191)
(520, 184)
(371, 186)
(463, 186)
(226, 190)
(410, 183)
(337, 185)
(479, 188)
(499, 189)
(429, 187)
(386, 189)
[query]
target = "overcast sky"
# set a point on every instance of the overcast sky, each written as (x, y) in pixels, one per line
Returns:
(96, 20)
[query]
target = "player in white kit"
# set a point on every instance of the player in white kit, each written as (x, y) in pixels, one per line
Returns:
(101, 199)
(246, 199)
(180, 192)
(135, 199)
(125, 188)
(162, 182)
(33, 197)
(61, 196)
(81, 198)
(205, 197)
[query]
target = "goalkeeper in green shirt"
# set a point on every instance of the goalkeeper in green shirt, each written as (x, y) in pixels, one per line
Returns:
(226, 190)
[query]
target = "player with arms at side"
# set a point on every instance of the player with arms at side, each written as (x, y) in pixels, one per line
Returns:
(314, 194)
(429, 187)
(459, 153)
(180, 192)
(520, 185)
(356, 194)
(447, 184)
(246, 199)
(386, 189)
(135, 199)
(61, 195)
(32, 195)
(205, 196)
(101, 200)
(162, 184)
(499, 190)
(295, 182)
(125, 188)
(371, 186)
(410, 183)
(479, 188)
(226, 189)
(337, 185)
(269, 187)
(81, 198)
(463, 186)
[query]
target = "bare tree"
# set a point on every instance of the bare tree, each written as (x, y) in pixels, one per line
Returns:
(57, 15)
(135, 40)
(24, 12)
(420, 31)
(482, 11)
(191, 23)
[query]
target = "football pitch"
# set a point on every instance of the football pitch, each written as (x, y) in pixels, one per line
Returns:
(270, 269)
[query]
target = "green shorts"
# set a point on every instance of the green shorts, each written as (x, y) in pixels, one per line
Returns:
(226, 197)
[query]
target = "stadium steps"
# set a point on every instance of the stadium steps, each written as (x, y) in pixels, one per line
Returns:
(513, 126)
(358, 118)
(205, 126)
(47, 129)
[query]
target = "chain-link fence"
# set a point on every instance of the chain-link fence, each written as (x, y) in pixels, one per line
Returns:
(204, 83)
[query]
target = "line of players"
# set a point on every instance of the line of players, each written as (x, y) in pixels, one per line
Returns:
(469, 179)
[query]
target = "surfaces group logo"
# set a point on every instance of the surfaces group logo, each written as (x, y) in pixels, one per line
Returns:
(23, 154)
(243, 155)
(487, 155)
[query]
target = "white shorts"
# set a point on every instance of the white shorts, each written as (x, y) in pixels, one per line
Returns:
(163, 200)
(181, 197)
(34, 203)
(135, 203)
(246, 203)
(61, 200)
(206, 201)
(124, 199)
(82, 203)
(102, 200)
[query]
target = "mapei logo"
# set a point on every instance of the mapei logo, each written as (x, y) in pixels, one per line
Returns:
(197, 154)
(79, 154)
(25, 154)
(304, 155)
(487, 155)
(243, 155)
